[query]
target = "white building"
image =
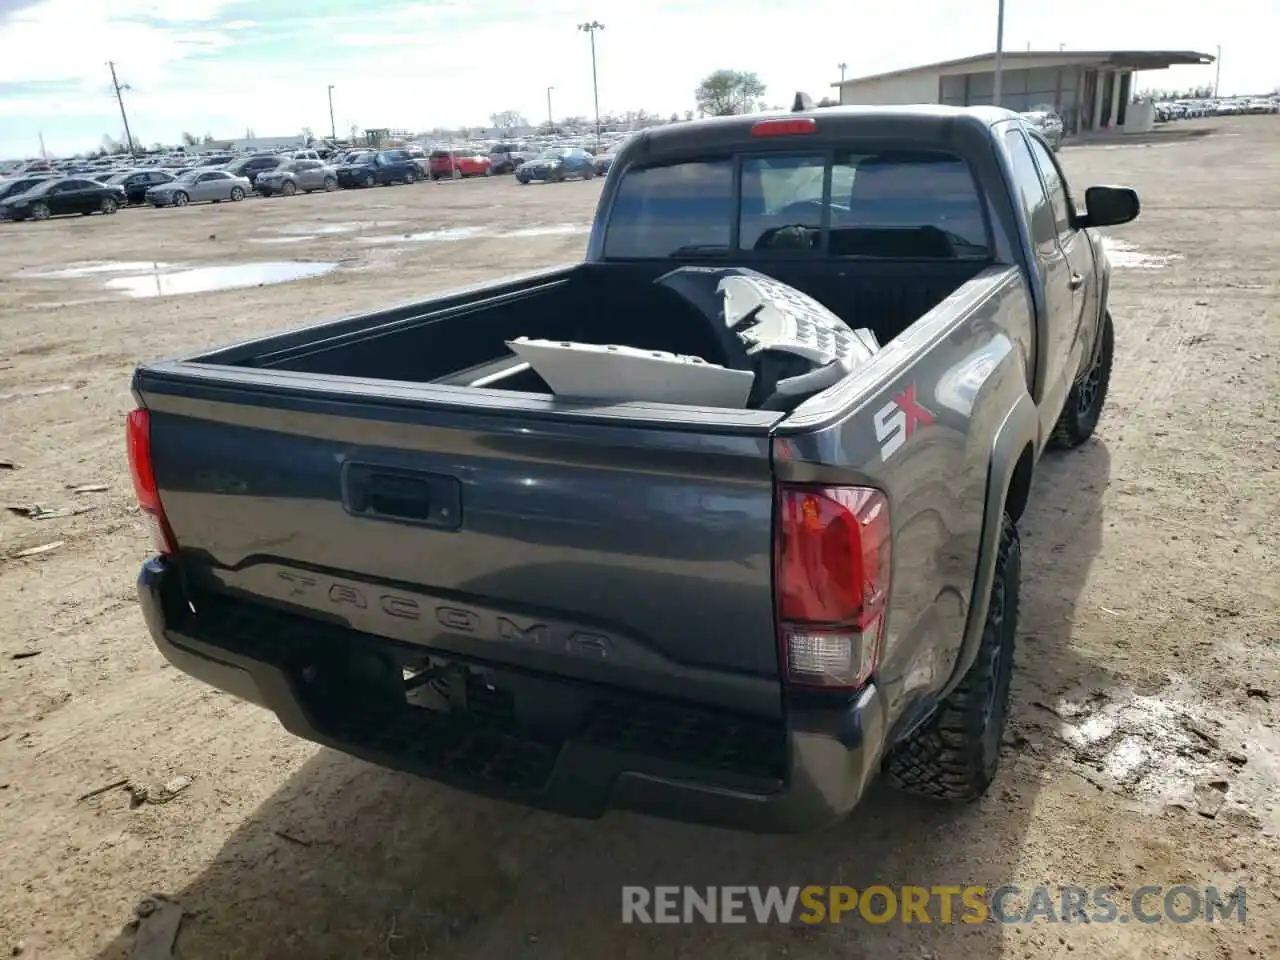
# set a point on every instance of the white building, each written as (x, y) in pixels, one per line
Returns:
(1090, 90)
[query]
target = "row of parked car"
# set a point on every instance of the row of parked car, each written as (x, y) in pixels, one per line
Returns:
(40, 195)
(1190, 109)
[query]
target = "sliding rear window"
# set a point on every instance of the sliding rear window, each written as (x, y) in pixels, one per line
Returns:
(896, 204)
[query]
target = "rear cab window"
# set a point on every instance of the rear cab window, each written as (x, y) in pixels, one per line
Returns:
(870, 203)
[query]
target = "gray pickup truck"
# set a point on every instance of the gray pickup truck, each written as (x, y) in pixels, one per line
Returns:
(393, 531)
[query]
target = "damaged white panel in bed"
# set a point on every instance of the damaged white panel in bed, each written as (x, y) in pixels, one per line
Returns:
(781, 346)
(596, 372)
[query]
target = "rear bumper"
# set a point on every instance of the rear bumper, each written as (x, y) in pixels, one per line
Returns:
(667, 759)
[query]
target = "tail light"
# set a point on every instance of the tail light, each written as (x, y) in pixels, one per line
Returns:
(784, 127)
(138, 438)
(832, 566)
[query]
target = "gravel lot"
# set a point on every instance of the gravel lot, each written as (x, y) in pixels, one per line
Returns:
(1143, 746)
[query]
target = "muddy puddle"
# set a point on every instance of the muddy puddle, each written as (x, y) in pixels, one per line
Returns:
(454, 234)
(1126, 256)
(92, 268)
(446, 235)
(208, 279)
(301, 232)
(1171, 748)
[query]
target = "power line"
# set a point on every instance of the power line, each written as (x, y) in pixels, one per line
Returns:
(120, 100)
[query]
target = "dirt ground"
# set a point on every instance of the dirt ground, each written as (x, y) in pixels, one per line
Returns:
(1143, 747)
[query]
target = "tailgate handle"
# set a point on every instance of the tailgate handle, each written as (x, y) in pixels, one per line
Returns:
(405, 496)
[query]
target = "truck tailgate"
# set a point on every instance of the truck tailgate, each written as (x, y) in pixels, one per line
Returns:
(633, 554)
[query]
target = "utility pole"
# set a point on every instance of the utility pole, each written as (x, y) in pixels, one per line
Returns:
(44, 154)
(551, 122)
(120, 100)
(843, 67)
(590, 29)
(1217, 72)
(333, 127)
(995, 91)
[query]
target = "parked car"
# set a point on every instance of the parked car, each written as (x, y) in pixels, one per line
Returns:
(456, 164)
(297, 176)
(602, 162)
(377, 168)
(557, 166)
(250, 167)
(1049, 124)
(839, 595)
(21, 184)
(506, 157)
(197, 186)
(419, 156)
(56, 196)
(136, 183)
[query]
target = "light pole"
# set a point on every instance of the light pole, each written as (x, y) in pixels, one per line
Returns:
(1217, 72)
(843, 67)
(551, 122)
(590, 29)
(120, 88)
(995, 90)
(333, 127)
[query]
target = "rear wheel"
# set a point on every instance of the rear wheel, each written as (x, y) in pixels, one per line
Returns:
(1084, 404)
(955, 754)
(369, 181)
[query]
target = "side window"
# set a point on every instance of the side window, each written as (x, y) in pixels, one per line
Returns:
(779, 192)
(1035, 202)
(1056, 184)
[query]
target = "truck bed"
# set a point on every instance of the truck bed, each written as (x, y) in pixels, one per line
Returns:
(459, 340)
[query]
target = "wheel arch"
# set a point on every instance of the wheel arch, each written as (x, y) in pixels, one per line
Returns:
(1009, 476)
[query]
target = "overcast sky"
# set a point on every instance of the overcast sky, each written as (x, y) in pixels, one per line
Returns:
(221, 67)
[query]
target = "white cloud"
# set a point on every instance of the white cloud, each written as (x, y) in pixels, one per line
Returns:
(456, 62)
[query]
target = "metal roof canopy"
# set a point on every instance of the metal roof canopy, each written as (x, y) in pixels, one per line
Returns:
(1119, 59)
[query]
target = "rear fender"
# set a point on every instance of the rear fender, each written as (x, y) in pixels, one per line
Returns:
(1013, 455)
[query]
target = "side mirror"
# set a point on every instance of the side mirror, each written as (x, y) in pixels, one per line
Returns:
(1109, 206)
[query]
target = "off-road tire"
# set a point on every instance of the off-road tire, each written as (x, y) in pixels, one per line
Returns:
(1086, 398)
(955, 754)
